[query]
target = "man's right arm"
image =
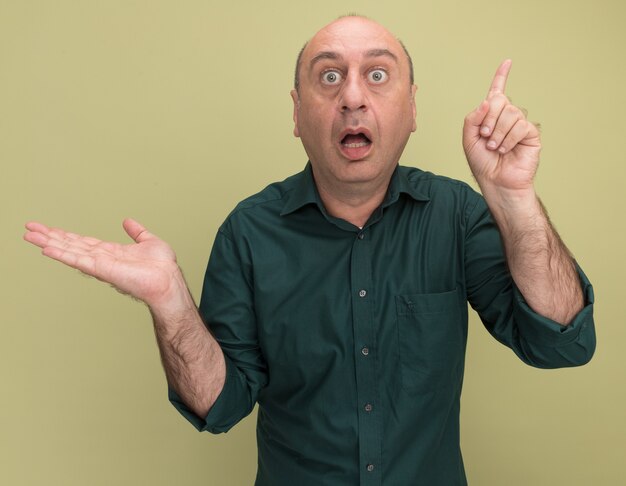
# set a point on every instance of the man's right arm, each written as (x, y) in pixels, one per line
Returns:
(192, 359)
(147, 270)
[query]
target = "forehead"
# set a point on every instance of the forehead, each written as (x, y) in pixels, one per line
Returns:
(351, 38)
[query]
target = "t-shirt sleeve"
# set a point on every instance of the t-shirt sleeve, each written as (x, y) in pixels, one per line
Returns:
(227, 308)
(491, 291)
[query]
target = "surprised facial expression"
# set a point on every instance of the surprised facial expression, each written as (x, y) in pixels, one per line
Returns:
(354, 108)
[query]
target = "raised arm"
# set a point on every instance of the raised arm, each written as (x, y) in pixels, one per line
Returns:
(147, 270)
(502, 148)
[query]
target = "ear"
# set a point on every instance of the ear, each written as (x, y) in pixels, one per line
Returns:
(296, 107)
(413, 91)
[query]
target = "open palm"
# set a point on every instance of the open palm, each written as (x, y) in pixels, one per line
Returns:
(143, 269)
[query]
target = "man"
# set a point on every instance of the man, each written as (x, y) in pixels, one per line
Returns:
(336, 300)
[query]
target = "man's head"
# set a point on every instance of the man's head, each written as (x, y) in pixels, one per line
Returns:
(354, 105)
(296, 80)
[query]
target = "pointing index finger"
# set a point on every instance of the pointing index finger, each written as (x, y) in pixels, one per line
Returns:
(499, 80)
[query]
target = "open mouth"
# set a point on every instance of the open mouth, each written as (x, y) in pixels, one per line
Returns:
(355, 146)
(355, 140)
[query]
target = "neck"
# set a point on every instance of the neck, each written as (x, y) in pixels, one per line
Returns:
(354, 203)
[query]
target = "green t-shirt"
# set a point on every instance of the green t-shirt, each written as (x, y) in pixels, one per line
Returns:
(352, 341)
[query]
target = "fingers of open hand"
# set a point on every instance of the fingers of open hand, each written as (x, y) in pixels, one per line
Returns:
(71, 244)
(41, 235)
(64, 240)
(69, 248)
(76, 259)
(36, 238)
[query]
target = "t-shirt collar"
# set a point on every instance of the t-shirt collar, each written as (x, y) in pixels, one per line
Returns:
(305, 192)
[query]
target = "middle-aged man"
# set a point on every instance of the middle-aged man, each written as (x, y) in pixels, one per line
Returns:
(336, 299)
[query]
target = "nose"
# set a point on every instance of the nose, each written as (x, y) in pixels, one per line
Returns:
(353, 95)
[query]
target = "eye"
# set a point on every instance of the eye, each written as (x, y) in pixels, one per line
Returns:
(331, 77)
(377, 76)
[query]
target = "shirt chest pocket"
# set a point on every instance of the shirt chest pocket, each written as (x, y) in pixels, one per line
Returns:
(431, 340)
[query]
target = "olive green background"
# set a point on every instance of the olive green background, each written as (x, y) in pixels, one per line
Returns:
(171, 112)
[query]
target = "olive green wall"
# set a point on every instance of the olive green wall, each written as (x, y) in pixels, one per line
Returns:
(171, 112)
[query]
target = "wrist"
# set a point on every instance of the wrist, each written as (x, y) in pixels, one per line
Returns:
(518, 209)
(175, 301)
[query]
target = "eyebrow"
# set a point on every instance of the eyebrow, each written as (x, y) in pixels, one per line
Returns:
(335, 56)
(324, 55)
(381, 52)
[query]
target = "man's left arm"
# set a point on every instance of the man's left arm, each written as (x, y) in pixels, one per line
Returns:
(502, 148)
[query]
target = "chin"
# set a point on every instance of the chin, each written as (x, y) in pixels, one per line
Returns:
(359, 171)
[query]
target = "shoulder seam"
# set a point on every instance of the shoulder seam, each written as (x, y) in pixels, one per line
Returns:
(247, 204)
(414, 177)
(224, 233)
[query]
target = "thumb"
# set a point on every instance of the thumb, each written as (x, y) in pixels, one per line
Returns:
(474, 120)
(136, 230)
